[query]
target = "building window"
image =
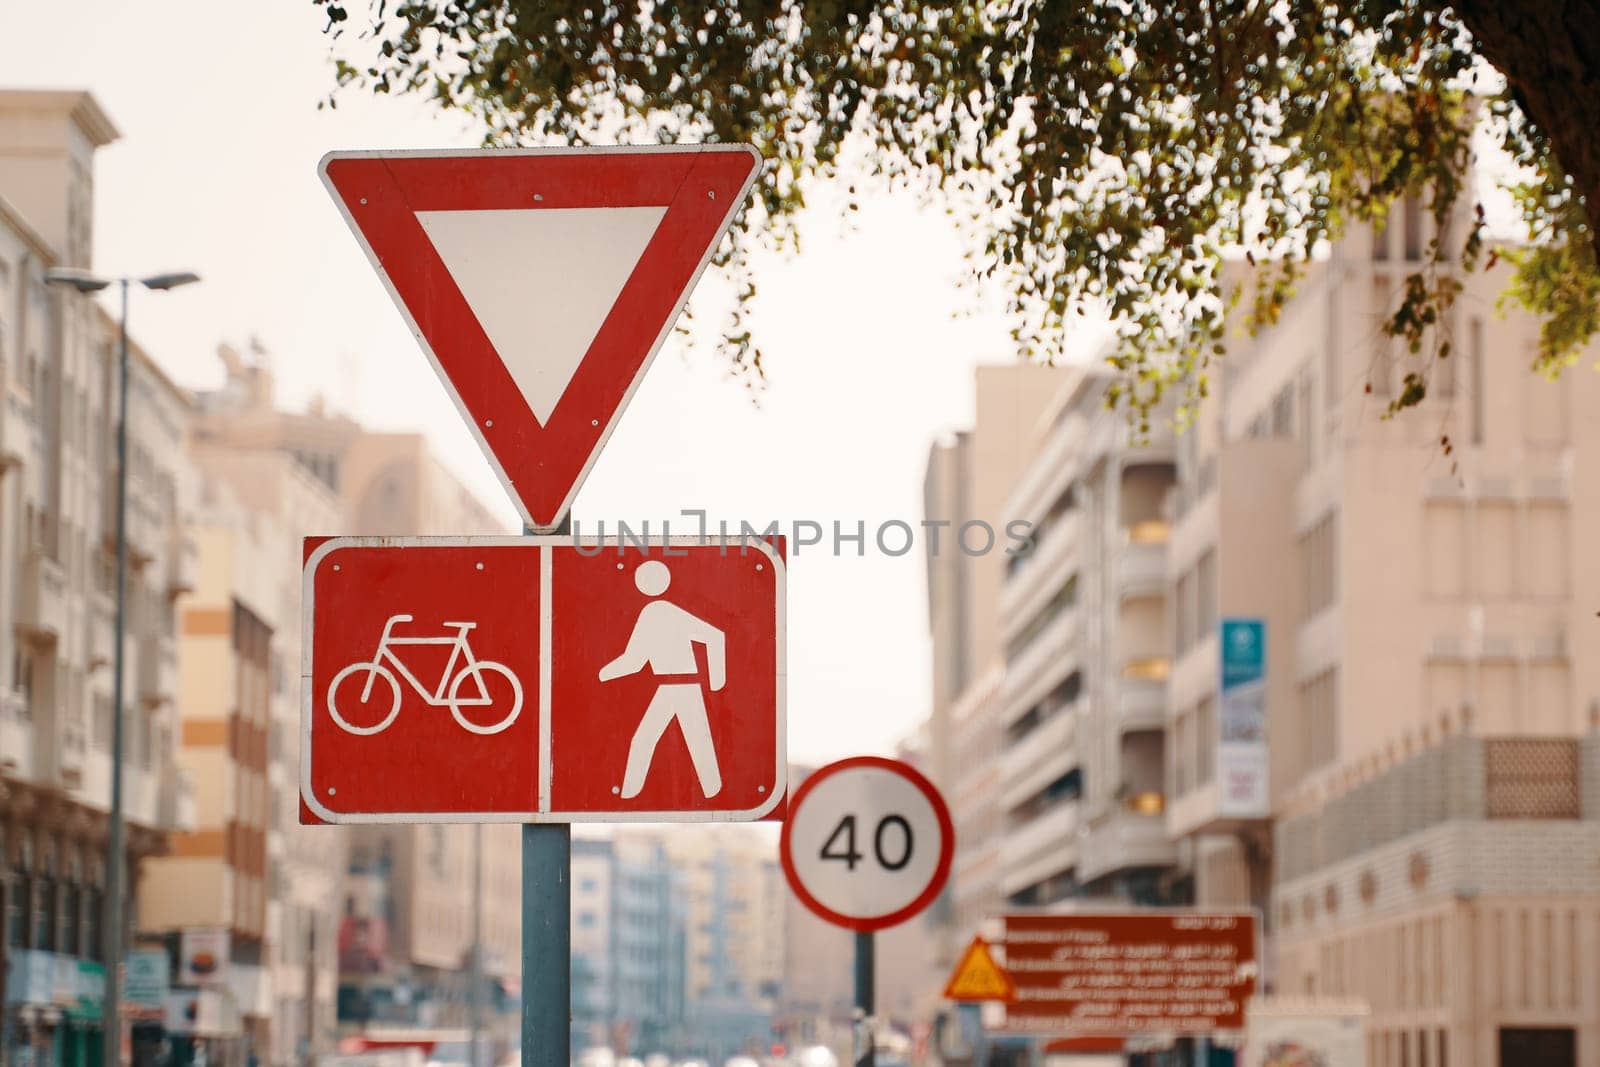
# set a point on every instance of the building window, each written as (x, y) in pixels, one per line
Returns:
(1475, 377)
(1205, 595)
(1380, 239)
(1066, 597)
(1184, 610)
(1319, 567)
(1283, 412)
(1413, 226)
(1319, 720)
(1205, 739)
(44, 911)
(1381, 378)
(71, 915)
(1303, 402)
(17, 896)
(1180, 759)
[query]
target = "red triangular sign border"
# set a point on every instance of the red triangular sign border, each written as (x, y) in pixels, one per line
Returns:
(379, 193)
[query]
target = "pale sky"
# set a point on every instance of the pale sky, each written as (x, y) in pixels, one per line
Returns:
(216, 173)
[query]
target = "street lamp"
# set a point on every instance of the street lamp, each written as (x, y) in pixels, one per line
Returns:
(85, 282)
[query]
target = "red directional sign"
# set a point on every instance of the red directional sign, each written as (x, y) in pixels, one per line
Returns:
(1131, 972)
(541, 282)
(535, 679)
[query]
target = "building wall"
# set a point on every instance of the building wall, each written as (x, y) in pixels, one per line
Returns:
(1423, 602)
(58, 383)
(969, 477)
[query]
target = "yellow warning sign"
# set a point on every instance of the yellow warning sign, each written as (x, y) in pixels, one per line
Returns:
(978, 976)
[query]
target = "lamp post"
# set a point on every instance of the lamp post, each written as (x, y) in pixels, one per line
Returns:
(85, 282)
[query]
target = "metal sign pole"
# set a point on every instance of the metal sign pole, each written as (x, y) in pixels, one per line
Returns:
(546, 945)
(865, 1036)
(547, 938)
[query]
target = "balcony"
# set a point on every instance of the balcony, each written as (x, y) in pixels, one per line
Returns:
(1043, 846)
(1036, 577)
(145, 521)
(1039, 758)
(155, 672)
(68, 751)
(1131, 836)
(1141, 567)
(1141, 705)
(182, 565)
(1036, 670)
(17, 432)
(177, 808)
(1146, 668)
(16, 737)
(42, 606)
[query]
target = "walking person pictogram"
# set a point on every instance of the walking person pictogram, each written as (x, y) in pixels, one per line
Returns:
(663, 639)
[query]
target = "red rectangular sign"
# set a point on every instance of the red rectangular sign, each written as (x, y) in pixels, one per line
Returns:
(539, 679)
(1130, 972)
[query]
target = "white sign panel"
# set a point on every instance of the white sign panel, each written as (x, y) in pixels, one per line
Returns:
(1242, 720)
(867, 843)
(202, 957)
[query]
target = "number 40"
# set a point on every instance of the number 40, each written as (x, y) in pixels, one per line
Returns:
(850, 855)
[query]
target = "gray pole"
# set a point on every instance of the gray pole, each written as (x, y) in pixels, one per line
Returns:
(475, 970)
(547, 939)
(865, 1036)
(111, 1011)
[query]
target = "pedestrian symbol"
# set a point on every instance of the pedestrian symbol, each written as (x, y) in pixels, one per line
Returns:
(663, 639)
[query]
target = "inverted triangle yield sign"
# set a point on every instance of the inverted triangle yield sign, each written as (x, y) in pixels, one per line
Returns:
(541, 282)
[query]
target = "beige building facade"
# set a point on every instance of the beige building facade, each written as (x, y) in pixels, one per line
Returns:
(968, 478)
(1424, 837)
(1432, 667)
(397, 922)
(59, 378)
(249, 870)
(1085, 626)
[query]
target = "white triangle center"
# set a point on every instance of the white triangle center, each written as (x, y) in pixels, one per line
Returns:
(541, 282)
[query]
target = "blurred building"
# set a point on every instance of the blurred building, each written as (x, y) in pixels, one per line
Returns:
(58, 363)
(968, 477)
(733, 942)
(401, 920)
(677, 941)
(593, 992)
(215, 891)
(818, 990)
(1433, 664)
(1307, 659)
(1084, 625)
(249, 880)
(628, 946)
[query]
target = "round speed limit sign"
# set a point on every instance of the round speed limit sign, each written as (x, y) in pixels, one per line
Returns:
(867, 843)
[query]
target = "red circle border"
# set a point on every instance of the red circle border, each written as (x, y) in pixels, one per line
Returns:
(941, 872)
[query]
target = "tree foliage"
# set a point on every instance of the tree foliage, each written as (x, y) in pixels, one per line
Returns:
(1110, 155)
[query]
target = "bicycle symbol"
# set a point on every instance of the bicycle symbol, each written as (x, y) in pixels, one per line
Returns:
(447, 694)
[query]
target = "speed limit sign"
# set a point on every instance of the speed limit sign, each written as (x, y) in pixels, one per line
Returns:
(867, 843)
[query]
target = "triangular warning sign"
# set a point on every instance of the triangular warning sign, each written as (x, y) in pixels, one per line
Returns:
(541, 282)
(978, 977)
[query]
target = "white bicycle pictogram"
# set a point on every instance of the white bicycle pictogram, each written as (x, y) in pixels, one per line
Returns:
(447, 694)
